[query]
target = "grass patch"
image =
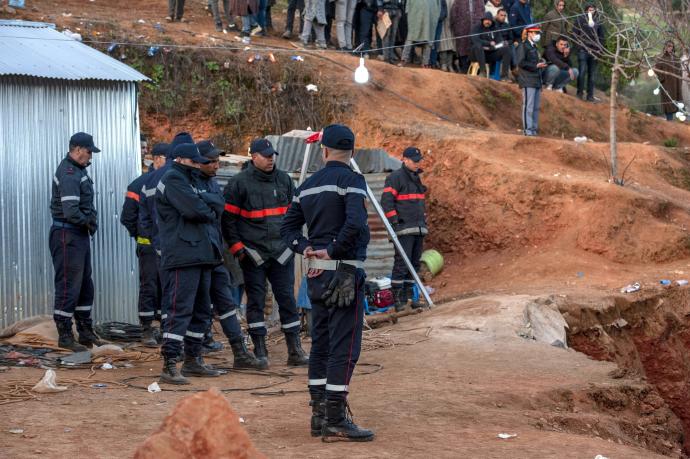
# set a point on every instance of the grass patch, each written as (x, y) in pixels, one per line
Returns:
(671, 142)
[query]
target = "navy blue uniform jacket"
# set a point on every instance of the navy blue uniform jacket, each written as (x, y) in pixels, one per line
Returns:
(332, 204)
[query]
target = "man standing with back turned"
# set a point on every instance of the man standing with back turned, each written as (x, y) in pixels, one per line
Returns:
(74, 222)
(332, 204)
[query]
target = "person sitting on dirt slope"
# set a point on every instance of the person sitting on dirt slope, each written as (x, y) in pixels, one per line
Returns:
(559, 72)
(488, 47)
(529, 78)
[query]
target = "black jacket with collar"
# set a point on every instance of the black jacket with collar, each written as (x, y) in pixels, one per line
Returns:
(187, 221)
(403, 202)
(255, 204)
(529, 76)
(72, 195)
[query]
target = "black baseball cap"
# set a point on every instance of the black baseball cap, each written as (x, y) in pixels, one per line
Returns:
(207, 149)
(413, 153)
(160, 149)
(263, 147)
(189, 151)
(339, 137)
(84, 140)
(180, 138)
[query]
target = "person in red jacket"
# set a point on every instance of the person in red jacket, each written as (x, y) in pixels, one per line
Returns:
(403, 204)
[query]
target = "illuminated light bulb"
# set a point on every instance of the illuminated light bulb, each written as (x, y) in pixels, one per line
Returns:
(361, 74)
(656, 91)
(650, 72)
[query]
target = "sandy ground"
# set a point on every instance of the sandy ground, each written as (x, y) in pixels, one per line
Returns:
(450, 394)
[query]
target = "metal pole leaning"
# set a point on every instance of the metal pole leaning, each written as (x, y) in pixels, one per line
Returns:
(394, 237)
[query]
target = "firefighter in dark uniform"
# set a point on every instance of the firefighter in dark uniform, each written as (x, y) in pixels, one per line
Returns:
(148, 219)
(75, 220)
(332, 204)
(221, 296)
(187, 221)
(256, 200)
(150, 289)
(403, 203)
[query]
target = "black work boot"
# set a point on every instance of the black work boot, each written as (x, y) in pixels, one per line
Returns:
(147, 336)
(170, 373)
(339, 425)
(195, 366)
(296, 355)
(243, 358)
(400, 297)
(210, 345)
(66, 337)
(260, 350)
(87, 336)
(318, 415)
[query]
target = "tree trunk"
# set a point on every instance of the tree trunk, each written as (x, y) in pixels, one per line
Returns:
(612, 117)
(612, 128)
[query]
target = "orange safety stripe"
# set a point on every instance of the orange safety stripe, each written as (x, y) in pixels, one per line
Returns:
(236, 247)
(407, 197)
(256, 213)
(132, 195)
(392, 213)
(232, 209)
(390, 190)
(264, 212)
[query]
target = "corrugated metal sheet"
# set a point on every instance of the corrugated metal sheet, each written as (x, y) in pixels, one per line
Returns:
(291, 148)
(37, 118)
(40, 51)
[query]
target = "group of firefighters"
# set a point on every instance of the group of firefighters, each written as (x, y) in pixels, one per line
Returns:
(180, 220)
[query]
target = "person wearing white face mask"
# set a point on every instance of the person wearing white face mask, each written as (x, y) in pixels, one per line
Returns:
(589, 36)
(529, 78)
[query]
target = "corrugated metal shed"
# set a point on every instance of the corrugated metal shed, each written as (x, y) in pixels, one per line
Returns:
(37, 49)
(291, 148)
(37, 118)
(374, 163)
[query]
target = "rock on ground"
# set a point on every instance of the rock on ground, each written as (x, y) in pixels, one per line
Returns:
(203, 425)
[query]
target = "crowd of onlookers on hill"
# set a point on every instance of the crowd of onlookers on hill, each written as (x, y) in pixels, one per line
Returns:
(479, 37)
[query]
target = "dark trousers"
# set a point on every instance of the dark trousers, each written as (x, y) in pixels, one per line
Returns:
(71, 253)
(224, 304)
(215, 9)
(363, 22)
(282, 279)
(336, 339)
(412, 245)
(391, 35)
(434, 48)
(502, 55)
(188, 308)
(150, 290)
(587, 68)
(176, 9)
(293, 6)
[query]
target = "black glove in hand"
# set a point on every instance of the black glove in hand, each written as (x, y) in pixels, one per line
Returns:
(342, 289)
(92, 226)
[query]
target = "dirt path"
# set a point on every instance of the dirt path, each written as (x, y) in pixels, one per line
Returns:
(448, 395)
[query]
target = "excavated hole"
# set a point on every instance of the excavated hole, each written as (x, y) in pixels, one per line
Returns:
(646, 334)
